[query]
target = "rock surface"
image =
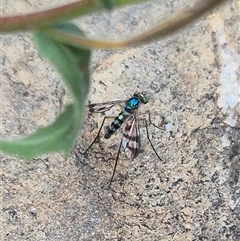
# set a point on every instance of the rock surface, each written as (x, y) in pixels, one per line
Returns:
(192, 78)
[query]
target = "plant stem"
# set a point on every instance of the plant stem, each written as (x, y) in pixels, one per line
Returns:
(170, 25)
(47, 17)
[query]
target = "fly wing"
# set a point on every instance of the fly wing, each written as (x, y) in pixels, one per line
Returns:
(131, 138)
(102, 107)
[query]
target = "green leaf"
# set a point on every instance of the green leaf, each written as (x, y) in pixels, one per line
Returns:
(107, 4)
(73, 64)
(52, 138)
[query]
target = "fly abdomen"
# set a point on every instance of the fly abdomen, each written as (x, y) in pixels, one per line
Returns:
(115, 125)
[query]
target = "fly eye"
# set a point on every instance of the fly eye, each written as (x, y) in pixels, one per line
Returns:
(136, 94)
(143, 98)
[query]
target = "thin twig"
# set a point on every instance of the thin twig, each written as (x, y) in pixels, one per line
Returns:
(46, 17)
(169, 26)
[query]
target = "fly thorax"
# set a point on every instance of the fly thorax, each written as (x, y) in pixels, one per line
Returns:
(132, 104)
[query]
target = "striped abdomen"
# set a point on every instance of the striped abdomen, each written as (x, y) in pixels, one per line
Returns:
(118, 121)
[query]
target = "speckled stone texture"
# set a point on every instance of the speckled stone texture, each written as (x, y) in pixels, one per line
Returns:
(192, 78)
